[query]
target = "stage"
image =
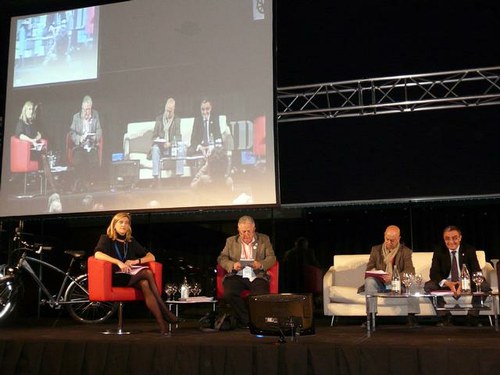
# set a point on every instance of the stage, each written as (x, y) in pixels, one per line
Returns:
(61, 346)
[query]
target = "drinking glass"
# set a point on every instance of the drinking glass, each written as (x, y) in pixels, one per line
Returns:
(407, 280)
(196, 289)
(478, 279)
(174, 290)
(169, 290)
(419, 281)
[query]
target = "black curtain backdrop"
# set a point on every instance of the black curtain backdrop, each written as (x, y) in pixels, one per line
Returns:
(431, 154)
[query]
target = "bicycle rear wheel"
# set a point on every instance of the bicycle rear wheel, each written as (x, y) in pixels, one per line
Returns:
(9, 296)
(81, 308)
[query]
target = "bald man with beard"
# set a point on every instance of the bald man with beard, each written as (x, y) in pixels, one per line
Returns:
(385, 257)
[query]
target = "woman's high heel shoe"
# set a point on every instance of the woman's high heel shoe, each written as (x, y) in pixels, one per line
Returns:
(171, 318)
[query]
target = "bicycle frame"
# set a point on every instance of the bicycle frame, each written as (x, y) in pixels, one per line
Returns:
(72, 294)
(52, 301)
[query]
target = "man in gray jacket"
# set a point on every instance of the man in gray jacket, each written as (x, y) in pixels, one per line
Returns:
(246, 257)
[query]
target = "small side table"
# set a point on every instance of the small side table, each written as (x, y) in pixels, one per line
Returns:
(191, 301)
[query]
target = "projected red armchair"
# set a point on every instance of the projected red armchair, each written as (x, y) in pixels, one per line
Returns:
(20, 158)
(259, 136)
(273, 280)
(100, 288)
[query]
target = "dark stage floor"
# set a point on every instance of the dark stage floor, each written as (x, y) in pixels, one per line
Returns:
(61, 346)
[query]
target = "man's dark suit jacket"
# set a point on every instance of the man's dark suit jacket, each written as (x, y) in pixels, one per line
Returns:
(441, 261)
(198, 128)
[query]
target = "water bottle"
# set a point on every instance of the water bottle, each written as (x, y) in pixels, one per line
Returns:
(185, 289)
(181, 158)
(396, 281)
(465, 279)
(173, 148)
(211, 142)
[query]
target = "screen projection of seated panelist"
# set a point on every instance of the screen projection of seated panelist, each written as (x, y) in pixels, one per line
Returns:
(188, 51)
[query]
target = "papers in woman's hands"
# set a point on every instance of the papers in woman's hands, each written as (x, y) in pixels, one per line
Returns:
(134, 270)
(378, 274)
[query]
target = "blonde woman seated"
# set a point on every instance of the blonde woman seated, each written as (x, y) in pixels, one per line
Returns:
(124, 251)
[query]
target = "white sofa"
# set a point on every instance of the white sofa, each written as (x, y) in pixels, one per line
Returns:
(138, 139)
(137, 142)
(341, 282)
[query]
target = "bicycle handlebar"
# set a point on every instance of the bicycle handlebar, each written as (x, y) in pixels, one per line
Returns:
(36, 247)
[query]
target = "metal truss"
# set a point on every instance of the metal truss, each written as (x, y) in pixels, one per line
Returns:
(399, 94)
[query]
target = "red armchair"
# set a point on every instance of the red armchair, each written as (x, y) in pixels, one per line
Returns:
(20, 159)
(313, 280)
(273, 280)
(259, 136)
(100, 288)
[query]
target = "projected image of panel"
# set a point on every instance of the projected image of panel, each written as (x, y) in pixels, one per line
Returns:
(56, 47)
(178, 112)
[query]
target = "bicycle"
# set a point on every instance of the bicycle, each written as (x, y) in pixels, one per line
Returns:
(72, 294)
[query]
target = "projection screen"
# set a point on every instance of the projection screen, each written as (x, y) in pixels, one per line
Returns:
(140, 105)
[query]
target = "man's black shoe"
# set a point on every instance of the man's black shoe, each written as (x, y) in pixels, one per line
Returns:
(472, 321)
(446, 321)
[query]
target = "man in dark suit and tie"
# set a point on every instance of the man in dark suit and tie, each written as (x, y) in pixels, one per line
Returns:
(246, 257)
(447, 262)
(206, 130)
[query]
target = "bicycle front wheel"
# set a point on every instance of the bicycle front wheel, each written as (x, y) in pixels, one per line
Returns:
(81, 308)
(9, 296)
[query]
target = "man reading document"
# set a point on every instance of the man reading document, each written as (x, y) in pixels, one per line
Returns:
(246, 257)
(383, 259)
